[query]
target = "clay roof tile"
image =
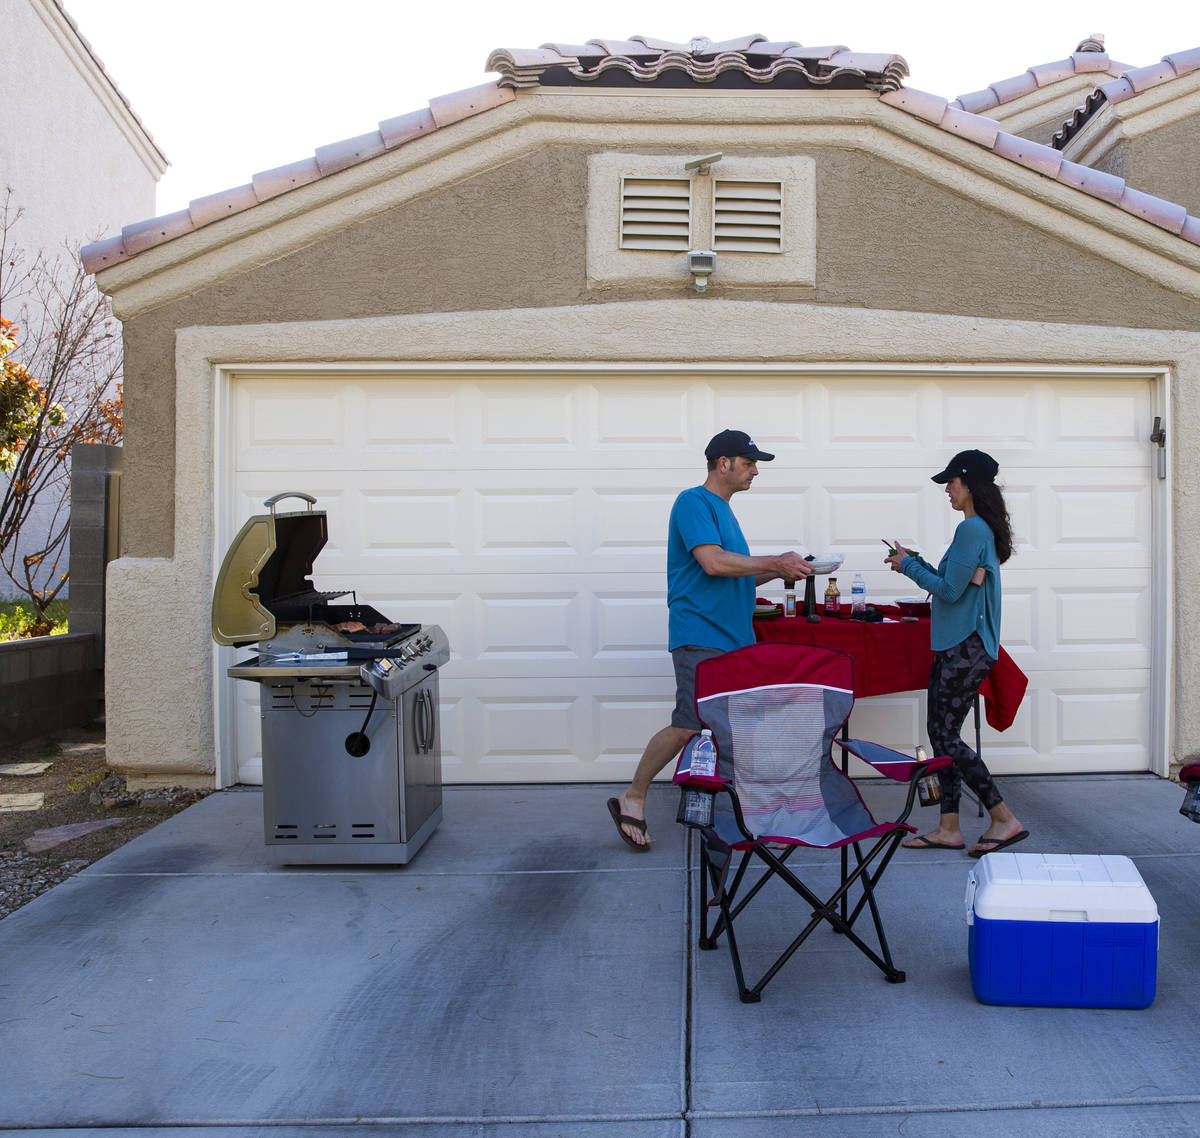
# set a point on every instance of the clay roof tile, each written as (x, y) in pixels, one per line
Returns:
(349, 152)
(1184, 62)
(1117, 90)
(101, 254)
(1047, 73)
(931, 108)
(1167, 215)
(144, 235)
(1043, 159)
(452, 108)
(975, 128)
(272, 183)
(1009, 89)
(215, 206)
(1143, 78)
(1100, 184)
(977, 101)
(395, 132)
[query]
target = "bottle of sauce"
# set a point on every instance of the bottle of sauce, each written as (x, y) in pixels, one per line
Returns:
(833, 598)
(789, 598)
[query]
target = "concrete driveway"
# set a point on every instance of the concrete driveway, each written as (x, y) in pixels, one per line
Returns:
(527, 974)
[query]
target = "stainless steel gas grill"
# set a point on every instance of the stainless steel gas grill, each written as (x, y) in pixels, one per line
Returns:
(351, 748)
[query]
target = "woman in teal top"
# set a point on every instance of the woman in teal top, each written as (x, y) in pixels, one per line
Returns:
(965, 638)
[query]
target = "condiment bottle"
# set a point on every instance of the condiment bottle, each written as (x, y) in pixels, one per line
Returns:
(789, 598)
(833, 598)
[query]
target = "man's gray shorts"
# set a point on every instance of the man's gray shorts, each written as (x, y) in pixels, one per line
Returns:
(685, 660)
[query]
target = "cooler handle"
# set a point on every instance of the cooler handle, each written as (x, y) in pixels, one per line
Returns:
(290, 494)
(970, 898)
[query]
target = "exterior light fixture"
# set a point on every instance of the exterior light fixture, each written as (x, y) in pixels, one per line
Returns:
(702, 263)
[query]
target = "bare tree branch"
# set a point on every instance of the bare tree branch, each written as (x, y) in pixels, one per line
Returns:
(62, 376)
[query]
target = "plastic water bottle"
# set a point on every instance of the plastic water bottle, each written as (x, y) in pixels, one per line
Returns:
(858, 596)
(704, 755)
(695, 808)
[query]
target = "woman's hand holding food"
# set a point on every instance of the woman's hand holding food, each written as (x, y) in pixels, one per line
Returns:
(896, 554)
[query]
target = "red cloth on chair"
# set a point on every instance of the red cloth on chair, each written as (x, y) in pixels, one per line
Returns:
(894, 657)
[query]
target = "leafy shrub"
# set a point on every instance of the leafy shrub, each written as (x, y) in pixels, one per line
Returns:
(20, 623)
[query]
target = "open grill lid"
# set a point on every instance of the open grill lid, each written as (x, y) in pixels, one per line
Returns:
(265, 576)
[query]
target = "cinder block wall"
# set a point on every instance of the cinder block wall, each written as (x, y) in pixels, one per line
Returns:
(47, 682)
(95, 537)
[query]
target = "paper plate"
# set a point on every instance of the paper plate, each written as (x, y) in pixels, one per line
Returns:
(827, 562)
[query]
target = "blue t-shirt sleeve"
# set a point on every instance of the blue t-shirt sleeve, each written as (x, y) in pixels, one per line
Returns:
(695, 522)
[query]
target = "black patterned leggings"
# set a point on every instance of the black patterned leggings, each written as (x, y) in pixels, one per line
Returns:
(953, 681)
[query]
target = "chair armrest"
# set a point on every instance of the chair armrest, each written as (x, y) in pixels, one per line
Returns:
(893, 764)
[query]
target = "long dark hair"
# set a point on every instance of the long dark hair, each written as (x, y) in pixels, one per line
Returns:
(989, 505)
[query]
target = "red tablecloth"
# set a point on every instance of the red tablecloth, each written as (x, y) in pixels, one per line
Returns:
(892, 657)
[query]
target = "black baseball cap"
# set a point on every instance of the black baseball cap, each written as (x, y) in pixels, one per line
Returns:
(735, 444)
(971, 466)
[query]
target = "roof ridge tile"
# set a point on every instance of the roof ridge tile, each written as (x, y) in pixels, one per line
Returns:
(1034, 155)
(215, 206)
(1040, 75)
(271, 183)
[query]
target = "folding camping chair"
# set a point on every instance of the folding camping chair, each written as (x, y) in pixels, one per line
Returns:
(774, 711)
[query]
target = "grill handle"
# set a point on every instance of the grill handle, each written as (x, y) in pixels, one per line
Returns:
(270, 502)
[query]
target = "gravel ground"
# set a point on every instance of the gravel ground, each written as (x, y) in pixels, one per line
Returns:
(77, 789)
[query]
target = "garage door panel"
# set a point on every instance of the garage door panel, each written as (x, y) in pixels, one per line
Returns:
(1095, 414)
(1102, 517)
(546, 626)
(779, 414)
(878, 414)
(629, 522)
(860, 518)
(1086, 619)
(537, 416)
(629, 625)
(527, 516)
(662, 417)
(422, 415)
(1003, 413)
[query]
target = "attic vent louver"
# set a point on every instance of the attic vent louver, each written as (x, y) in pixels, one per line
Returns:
(655, 213)
(748, 217)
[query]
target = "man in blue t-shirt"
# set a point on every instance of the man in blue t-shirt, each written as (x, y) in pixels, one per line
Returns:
(711, 580)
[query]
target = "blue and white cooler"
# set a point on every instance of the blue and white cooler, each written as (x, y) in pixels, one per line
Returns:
(1061, 930)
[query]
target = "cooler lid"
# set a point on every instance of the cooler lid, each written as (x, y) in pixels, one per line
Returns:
(1059, 887)
(269, 560)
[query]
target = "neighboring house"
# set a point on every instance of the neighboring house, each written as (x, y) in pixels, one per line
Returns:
(1144, 127)
(78, 160)
(474, 337)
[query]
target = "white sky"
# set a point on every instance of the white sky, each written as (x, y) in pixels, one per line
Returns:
(229, 88)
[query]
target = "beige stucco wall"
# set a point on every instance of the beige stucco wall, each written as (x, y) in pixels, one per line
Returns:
(887, 238)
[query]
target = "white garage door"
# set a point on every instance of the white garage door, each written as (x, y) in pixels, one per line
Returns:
(526, 514)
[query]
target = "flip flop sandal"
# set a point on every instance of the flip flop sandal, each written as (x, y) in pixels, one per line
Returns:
(619, 819)
(994, 846)
(924, 843)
